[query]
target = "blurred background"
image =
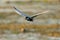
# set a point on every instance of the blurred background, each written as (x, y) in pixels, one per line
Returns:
(44, 27)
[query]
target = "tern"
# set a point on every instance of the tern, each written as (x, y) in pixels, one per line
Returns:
(28, 18)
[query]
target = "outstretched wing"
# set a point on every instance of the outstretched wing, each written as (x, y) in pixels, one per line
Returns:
(33, 16)
(19, 12)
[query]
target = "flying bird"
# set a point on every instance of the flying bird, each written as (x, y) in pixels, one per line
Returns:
(28, 18)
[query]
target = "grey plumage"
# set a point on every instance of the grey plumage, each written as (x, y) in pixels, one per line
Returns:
(19, 12)
(28, 18)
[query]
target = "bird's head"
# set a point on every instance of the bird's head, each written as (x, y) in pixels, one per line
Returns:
(29, 19)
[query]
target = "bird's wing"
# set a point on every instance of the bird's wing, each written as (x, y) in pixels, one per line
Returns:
(33, 16)
(19, 12)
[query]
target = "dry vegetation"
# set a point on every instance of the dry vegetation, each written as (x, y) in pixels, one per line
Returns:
(49, 15)
(49, 30)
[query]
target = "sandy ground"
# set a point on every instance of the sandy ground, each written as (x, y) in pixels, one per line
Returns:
(26, 36)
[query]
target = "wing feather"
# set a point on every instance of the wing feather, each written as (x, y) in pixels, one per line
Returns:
(19, 12)
(33, 16)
